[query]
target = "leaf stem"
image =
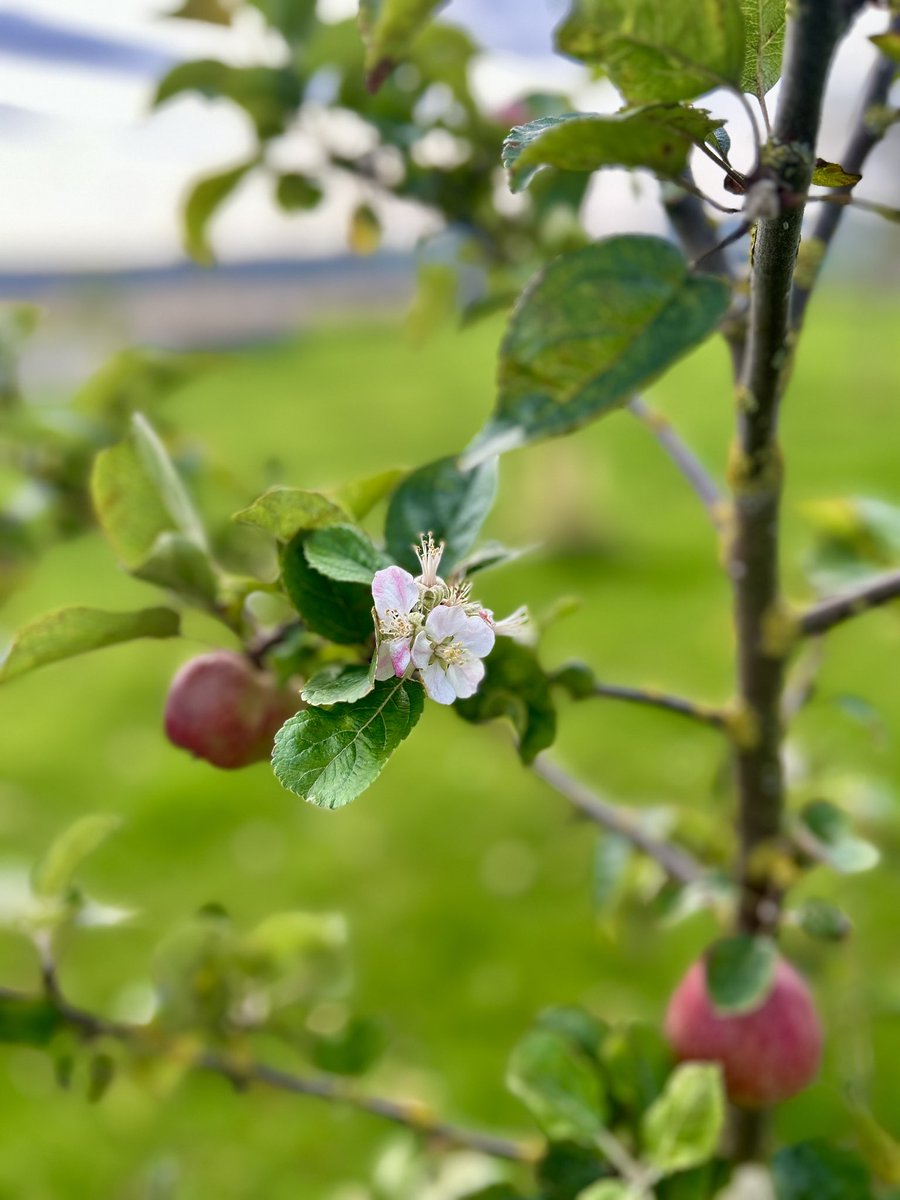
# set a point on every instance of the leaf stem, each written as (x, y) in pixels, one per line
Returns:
(680, 866)
(684, 458)
(837, 609)
(411, 1114)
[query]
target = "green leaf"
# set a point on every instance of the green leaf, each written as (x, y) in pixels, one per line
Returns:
(590, 330)
(888, 43)
(70, 631)
(339, 685)
(339, 611)
(740, 972)
(612, 857)
(764, 23)
(388, 27)
(566, 1169)
(269, 95)
(441, 499)
(54, 873)
(829, 174)
(28, 1022)
(286, 511)
(879, 1149)
(823, 920)
(292, 18)
(611, 1189)
(560, 1086)
(342, 552)
(637, 1062)
(658, 52)
(833, 840)
(101, 1073)
(352, 1050)
(183, 567)
(138, 495)
(138, 380)
(682, 1128)
(303, 953)
(658, 138)
(814, 1170)
(330, 756)
(488, 556)
(297, 193)
(585, 1032)
(515, 687)
(206, 196)
(361, 496)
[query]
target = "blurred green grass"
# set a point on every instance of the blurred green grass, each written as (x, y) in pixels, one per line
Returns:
(465, 881)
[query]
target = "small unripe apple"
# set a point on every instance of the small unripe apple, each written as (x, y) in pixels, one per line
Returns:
(223, 708)
(767, 1055)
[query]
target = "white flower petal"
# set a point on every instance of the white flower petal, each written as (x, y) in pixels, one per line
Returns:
(477, 637)
(384, 668)
(466, 676)
(446, 620)
(518, 626)
(400, 655)
(422, 650)
(394, 588)
(438, 685)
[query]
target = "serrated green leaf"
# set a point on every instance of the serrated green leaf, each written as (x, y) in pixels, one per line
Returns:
(515, 687)
(330, 756)
(286, 511)
(764, 25)
(824, 920)
(205, 198)
(342, 552)
(54, 873)
(269, 95)
(590, 330)
(138, 495)
(339, 611)
(561, 1087)
(658, 52)
(339, 685)
(814, 1170)
(833, 838)
(829, 174)
(658, 138)
(444, 500)
(740, 972)
(682, 1128)
(78, 630)
(360, 496)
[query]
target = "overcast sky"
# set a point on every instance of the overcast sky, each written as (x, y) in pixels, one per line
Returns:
(92, 178)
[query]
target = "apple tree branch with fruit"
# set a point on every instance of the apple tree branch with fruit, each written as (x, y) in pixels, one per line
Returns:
(347, 634)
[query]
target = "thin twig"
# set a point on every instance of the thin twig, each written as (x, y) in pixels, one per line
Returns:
(680, 866)
(411, 1114)
(684, 458)
(673, 704)
(837, 609)
(865, 137)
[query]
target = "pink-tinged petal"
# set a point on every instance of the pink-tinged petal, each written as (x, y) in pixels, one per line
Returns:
(446, 621)
(477, 637)
(384, 668)
(400, 655)
(422, 650)
(394, 588)
(437, 685)
(466, 676)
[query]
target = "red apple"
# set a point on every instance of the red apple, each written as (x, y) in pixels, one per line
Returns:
(766, 1055)
(223, 708)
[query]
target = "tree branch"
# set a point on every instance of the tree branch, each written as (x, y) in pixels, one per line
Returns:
(865, 137)
(813, 31)
(684, 458)
(834, 611)
(411, 1114)
(673, 704)
(680, 866)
